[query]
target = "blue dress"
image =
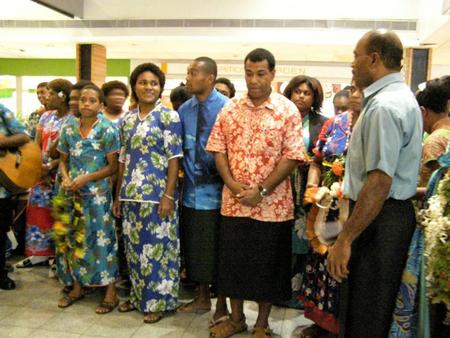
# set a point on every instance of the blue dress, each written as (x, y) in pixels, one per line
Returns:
(151, 243)
(98, 264)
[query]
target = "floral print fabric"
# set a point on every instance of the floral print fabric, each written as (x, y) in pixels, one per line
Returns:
(147, 146)
(38, 236)
(98, 264)
(255, 139)
(152, 250)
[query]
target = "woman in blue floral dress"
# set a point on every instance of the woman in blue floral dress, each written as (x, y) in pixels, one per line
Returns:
(147, 196)
(87, 250)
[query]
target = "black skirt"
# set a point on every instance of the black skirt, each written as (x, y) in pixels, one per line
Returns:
(200, 231)
(255, 259)
(367, 297)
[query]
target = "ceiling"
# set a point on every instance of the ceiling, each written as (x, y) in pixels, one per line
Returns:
(318, 31)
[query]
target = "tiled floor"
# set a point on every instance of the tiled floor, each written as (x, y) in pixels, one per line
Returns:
(31, 311)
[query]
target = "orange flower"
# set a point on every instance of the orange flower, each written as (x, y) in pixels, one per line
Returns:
(337, 168)
(309, 195)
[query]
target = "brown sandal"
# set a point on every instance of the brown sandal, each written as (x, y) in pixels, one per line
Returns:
(213, 322)
(227, 328)
(106, 307)
(69, 300)
(153, 317)
(261, 332)
(127, 307)
(191, 308)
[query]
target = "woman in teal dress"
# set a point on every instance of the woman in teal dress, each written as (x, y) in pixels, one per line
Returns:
(147, 196)
(86, 244)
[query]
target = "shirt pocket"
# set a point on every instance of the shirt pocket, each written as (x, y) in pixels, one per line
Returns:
(188, 142)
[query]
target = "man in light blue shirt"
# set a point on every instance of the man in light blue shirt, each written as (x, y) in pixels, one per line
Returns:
(202, 188)
(381, 174)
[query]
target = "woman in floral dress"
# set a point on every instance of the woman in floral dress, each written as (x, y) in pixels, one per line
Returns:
(319, 290)
(39, 244)
(86, 245)
(147, 196)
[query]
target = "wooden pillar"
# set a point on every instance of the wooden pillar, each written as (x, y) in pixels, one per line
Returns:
(91, 63)
(417, 65)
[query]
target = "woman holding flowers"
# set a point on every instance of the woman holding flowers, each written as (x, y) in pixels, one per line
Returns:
(147, 196)
(85, 233)
(319, 290)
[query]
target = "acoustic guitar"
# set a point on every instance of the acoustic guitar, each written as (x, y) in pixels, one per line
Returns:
(21, 167)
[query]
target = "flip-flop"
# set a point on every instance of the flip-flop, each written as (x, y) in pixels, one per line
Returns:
(70, 300)
(108, 306)
(153, 317)
(188, 308)
(127, 307)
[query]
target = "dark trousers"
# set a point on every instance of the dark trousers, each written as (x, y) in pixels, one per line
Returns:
(376, 265)
(5, 223)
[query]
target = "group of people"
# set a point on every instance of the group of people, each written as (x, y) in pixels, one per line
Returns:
(266, 181)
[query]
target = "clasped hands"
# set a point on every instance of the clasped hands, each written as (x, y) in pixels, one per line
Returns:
(75, 184)
(247, 195)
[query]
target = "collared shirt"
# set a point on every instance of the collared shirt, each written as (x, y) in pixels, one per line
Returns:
(147, 145)
(8, 126)
(202, 188)
(255, 140)
(386, 137)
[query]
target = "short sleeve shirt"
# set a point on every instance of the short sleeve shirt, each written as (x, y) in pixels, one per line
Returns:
(147, 146)
(386, 137)
(89, 154)
(9, 126)
(255, 139)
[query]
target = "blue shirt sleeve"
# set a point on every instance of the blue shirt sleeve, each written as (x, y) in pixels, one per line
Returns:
(383, 143)
(63, 142)
(12, 125)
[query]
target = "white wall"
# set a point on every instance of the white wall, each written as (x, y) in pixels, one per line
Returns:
(250, 9)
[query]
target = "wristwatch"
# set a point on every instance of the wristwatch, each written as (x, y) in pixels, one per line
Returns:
(262, 191)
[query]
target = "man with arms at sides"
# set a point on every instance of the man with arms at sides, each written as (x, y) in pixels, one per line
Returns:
(257, 142)
(380, 178)
(12, 135)
(202, 189)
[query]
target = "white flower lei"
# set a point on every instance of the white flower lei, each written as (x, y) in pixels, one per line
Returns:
(436, 229)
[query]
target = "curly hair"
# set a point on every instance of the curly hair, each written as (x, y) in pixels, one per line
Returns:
(111, 85)
(142, 68)
(227, 83)
(312, 83)
(61, 85)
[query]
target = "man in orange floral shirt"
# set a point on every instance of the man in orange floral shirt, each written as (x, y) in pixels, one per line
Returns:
(257, 142)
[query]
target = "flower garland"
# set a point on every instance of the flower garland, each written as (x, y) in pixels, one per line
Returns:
(436, 223)
(69, 230)
(328, 197)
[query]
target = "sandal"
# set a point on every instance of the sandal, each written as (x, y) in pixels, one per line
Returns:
(69, 300)
(227, 328)
(308, 331)
(153, 317)
(106, 307)
(213, 322)
(261, 332)
(191, 308)
(67, 289)
(127, 307)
